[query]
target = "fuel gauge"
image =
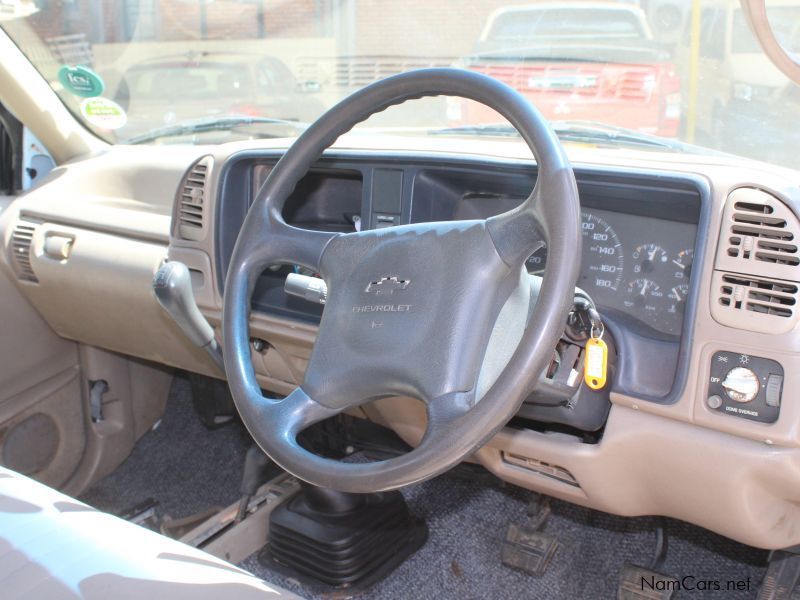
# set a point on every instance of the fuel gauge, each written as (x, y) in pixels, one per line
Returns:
(647, 257)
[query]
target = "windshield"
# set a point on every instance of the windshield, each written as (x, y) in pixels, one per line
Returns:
(187, 82)
(616, 74)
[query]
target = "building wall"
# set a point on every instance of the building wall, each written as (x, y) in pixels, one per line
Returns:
(395, 27)
(112, 21)
(376, 23)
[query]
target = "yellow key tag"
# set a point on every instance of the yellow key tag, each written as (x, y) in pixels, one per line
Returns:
(596, 363)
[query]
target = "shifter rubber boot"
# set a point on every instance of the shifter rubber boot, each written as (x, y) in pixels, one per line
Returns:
(328, 538)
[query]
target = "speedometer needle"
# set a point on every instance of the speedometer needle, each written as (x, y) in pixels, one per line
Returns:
(680, 264)
(643, 293)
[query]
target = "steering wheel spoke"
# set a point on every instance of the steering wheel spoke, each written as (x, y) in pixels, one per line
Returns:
(270, 241)
(293, 414)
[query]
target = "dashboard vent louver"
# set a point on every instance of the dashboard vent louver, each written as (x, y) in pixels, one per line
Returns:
(21, 240)
(759, 236)
(758, 295)
(756, 233)
(192, 200)
(757, 269)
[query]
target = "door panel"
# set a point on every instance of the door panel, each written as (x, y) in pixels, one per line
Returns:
(42, 425)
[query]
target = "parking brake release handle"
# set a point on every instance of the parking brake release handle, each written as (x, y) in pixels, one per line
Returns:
(172, 286)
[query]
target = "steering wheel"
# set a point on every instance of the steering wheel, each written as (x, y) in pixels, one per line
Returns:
(442, 312)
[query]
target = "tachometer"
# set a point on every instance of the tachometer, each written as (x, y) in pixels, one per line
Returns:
(644, 297)
(603, 258)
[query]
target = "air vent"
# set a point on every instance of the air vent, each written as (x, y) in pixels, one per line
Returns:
(755, 233)
(757, 268)
(191, 200)
(21, 240)
(759, 236)
(754, 303)
(758, 295)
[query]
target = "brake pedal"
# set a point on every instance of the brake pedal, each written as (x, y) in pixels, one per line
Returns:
(528, 550)
(526, 547)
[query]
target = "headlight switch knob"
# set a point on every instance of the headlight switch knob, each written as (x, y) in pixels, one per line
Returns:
(741, 384)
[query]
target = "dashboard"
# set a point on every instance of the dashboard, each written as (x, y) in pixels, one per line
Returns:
(692, 262)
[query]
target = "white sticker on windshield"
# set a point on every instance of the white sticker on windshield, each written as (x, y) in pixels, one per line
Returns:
(103, 113)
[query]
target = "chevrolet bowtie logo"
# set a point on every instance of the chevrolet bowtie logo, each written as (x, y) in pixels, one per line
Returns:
(387, 285)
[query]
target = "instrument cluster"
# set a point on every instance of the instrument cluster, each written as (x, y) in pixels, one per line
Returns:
(634, 264)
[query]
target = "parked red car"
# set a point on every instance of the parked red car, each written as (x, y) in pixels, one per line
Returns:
(581, 61)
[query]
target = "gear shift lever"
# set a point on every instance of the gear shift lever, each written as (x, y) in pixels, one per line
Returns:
(172, 286)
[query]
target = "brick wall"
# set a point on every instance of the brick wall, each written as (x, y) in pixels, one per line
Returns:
(381, 26)
(110, 21)
(229, 19)
(423, 27)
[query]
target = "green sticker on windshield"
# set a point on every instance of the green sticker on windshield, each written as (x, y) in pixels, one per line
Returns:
(81, 81)
(103, 113)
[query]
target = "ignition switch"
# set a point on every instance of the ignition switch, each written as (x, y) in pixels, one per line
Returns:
(574, 390)
(567, 367)
(581, 319)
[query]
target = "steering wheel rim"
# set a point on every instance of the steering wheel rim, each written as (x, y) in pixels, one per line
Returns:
(492, 287)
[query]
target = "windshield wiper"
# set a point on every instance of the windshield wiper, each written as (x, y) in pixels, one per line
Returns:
(588, 132)
(594, 132)
(492, 129)
(527, 55)
(211, 124)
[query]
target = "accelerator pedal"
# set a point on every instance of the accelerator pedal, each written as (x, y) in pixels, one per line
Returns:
(648, 583)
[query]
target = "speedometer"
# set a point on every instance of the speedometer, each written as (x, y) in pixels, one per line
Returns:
(603, 258)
